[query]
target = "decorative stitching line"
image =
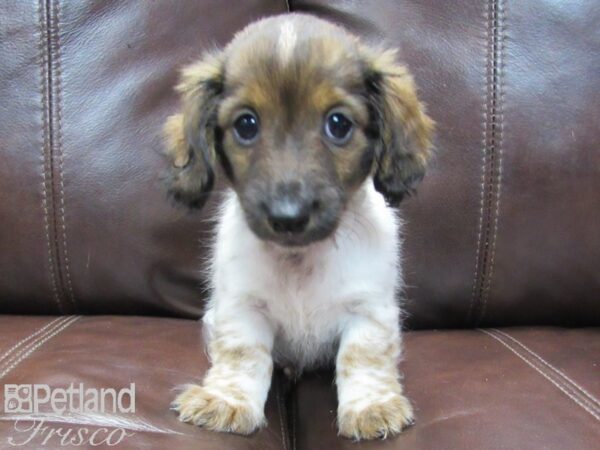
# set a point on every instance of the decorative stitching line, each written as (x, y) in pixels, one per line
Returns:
(24, 356)
(564, 383)
(557, 371)
(483, 172)
(562, 386)
(498, 128)
(32, 335)
(490, 169)
(284, 436)
(60, 321)
(489, 150)
(294, 406)
(46, 148)
(530, 364)
(59, 143)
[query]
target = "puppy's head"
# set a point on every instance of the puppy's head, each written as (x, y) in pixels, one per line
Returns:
(298, 113)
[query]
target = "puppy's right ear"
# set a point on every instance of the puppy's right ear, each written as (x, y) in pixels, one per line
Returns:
(190, 135)
(404, 129)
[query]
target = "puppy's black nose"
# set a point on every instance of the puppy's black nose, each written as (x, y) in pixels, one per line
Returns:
(288, 215)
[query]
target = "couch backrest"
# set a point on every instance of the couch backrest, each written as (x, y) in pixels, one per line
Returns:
(505, 229)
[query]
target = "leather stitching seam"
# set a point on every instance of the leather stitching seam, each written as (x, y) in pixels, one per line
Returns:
(483, 173)
(294, 406)
(59, 144)
(27, 338)
(33, 346)
(47, 149)
(491, 163)
(280, 409)
(548, 377)
(496, 139)
(25, 348)
(591, 400)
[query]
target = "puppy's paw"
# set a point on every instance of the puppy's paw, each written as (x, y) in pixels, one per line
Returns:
(377, 420)
(227, 412)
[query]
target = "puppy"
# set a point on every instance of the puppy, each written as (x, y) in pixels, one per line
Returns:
(314, 132)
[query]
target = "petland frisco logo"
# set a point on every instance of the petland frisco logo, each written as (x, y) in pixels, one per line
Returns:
(28, 398)
(32, 405)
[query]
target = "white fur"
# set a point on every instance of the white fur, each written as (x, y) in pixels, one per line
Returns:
(304, 304)
(287, 40)
(307, 295)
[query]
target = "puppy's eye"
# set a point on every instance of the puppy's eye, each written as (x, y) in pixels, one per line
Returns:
(338, 127)
(246, 128)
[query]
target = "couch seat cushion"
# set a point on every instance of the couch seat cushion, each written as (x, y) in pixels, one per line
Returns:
(156, 354)
(515, 388)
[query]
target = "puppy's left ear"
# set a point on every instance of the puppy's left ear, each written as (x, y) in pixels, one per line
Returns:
(190, 136)
(403, 128)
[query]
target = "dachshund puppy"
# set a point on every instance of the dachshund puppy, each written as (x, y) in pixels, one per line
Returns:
(314, 132)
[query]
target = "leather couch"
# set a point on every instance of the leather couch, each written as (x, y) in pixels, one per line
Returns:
(99, 279)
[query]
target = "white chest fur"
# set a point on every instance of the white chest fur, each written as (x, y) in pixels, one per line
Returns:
(307, 294)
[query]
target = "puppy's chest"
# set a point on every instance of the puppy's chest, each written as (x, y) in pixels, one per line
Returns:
(301, 293)
(302, 299)
(309, 294)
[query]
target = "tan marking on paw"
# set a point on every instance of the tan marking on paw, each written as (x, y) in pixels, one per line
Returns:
(221, 352)
(253, 361)
(198, 406)
(376, 421)
(356, 355)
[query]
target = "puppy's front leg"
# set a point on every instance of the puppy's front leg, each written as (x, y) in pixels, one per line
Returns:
(233, 393)
(371, 403)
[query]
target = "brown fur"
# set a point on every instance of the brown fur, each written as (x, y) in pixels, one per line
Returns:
(291, 72)
(204, 407)
(189, 135)
(406, 128)
(291, 95)
(383, 417)
(198, 406)
(243, 358)
(377, 421)
(365, 356)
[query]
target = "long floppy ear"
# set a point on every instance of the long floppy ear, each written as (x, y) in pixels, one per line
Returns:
(403, 128)
(190, 134)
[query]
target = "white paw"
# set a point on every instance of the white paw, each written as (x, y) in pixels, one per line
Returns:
(208, 409)
(378, 420)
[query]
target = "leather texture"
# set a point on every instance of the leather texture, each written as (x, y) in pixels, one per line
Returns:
(487, 389)
(86, 88)
(526, 388)
(157, 354)
(504, 228)
(503, 231)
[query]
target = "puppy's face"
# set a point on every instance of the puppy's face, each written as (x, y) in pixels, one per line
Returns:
(298, 113)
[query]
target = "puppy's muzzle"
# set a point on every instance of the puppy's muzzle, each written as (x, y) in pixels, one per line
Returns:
(290, 208)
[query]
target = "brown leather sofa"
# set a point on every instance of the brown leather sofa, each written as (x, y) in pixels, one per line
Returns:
(99, 279)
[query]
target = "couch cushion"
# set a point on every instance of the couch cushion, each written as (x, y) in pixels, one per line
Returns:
(86, 87)
(512, 388)
(113, 352)
(504, 228)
